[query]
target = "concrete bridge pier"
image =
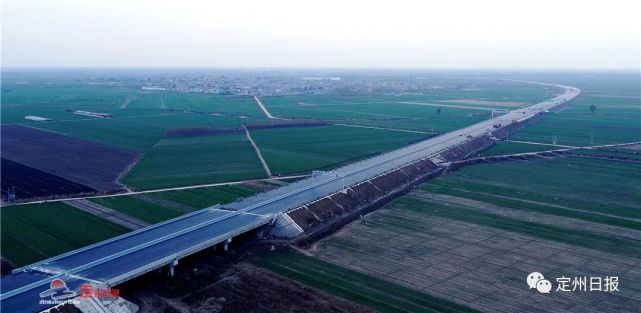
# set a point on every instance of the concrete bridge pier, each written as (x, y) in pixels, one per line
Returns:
(227, 242)
(173, 264)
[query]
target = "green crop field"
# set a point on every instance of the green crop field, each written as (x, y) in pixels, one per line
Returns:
(138, 126)
(616, 118)
(478, 89)
(196, 160)
(51, 101)
(34, 232)
(411, 111)
(138, 132)
(506, 147)
(197, 102)
(143, 210)
(295, 150)
(599, 186)
(200, 198)
(581, 238)
(379, 113)
(377, 294)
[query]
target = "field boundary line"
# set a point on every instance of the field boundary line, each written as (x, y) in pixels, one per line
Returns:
(125, 104)
(383, 128)
(260, 155)
(106, 213)
(456, 106)
(131, 193)
(540, 144)
(262, 107)
(132, 164)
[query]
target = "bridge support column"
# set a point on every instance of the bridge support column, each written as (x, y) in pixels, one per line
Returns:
(173, 264)
(227, 242)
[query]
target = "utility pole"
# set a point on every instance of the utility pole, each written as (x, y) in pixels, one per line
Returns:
(11, 194)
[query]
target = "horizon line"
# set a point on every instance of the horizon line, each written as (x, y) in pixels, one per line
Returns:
(382, 68)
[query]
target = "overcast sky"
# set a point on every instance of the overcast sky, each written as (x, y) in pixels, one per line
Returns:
(326, 33)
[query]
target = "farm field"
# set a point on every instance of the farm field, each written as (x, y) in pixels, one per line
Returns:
(507, 147)
(200, 198)
(37, 231)
(137, 132)
(483, 228)
(33, 232)
(139, 120)
(630, 153)
(417, 117)
(413, 111)
(84, 162)
(196, 160)
(296, 150)
(143, 210)
(616, 119)
(28, 182)
(196, 102)
(599, 186)
(470, 88)
(50, 100)
(377, 294)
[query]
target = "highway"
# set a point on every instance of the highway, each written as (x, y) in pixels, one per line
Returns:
(119, 259)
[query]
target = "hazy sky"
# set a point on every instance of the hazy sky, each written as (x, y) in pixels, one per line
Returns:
(327, 33)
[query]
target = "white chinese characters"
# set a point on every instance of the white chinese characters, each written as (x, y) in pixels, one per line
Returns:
(570, 284)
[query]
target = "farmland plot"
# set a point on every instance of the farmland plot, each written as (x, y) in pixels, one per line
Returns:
(200, 198)
(136, 132)
(296, 150)
(138, 208)
(196, 160)
(197, 102)
(90, 164)
(380, 295)
(36, 231)
(28, 182)
(615, 119)
(473, 235)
